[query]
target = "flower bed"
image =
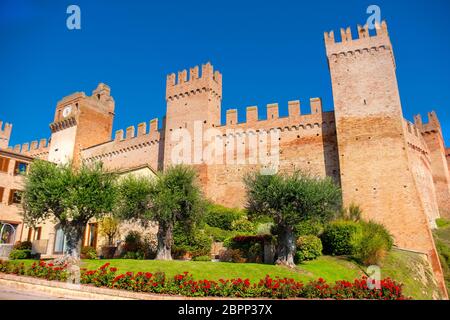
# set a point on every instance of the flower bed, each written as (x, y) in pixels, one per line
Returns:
(185, 284)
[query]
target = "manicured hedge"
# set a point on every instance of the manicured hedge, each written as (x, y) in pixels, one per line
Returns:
(308, 248)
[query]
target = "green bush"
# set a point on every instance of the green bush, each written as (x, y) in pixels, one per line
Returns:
(341, 237)
(221, 217)
(232, 255)
(374, 244)
(202, 258)
(24, 245)
(308, 227)
(442, 223)
(88, 253)
(133, 241)
(309, 247)
(196, 242)
(243, 225)
(134, 255)
(16, 254)
(217, 234)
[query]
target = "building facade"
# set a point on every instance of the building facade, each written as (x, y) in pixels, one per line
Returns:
(396, 170)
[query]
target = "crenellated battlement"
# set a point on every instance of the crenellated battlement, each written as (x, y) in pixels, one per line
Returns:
(294, 112)
(131, 133)
(364, 43)
(5, 134)
(433, 124)
(35, 148)
(181, 86)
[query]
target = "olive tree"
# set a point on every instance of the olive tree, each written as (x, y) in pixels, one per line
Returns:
(68, 195)
(290, 199)
(173, 196)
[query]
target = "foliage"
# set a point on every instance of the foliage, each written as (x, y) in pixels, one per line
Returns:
(134, 255)
(16, 254)
(88, 252)
(442, 223)
(243, 225)
(186, 285)
(23, 245)
(250, 247)
(341, 237)
(109, 228)
(289, 200)
(192, 242)
(217, 234)
(309, 227)
(232, 255)
(309, 247)
(173, 196)
(202, 258)
(376, 241)
(133, 241)
(222, 217)
(353, 212)
(70, 195)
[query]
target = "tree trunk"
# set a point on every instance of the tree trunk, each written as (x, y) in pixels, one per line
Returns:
(165, 238)
(74, 234)
(286, 247)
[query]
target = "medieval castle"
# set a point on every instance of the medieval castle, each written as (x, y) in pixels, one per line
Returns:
(396, 170)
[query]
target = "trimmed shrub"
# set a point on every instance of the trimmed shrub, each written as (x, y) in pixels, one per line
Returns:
(243, 225)
(221, 217)
(308, 248)
(88, 253)
(217, 234)
(202, 258)
(133, 241)
(375, 242)
(341, 237)
(194, 243)
(24, 245)
(17, 254)
(308, 227)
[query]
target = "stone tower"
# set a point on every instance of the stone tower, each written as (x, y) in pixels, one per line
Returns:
(80, 122)
(432, 134)
(193, 105)
(5, 134)
(375, 166)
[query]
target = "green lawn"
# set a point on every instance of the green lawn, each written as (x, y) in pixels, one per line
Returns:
(405, 267)
(329, 268)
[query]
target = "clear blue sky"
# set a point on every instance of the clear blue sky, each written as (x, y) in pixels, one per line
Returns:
(267, 51)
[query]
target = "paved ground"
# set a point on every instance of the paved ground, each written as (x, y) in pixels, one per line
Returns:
(7, 293)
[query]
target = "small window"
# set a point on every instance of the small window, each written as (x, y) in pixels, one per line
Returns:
(37, 233)
(4, 163)
(15, 197)
(20, 168)
(2, 191)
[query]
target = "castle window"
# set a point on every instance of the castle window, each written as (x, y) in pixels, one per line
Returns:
(2, 191)
(15, 197)
(20, 168)
(4, 163)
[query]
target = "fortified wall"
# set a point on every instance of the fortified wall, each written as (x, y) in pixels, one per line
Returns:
(396, 170)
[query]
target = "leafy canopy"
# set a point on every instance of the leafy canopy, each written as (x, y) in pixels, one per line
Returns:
(67, 194)
(290, 199)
